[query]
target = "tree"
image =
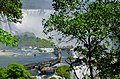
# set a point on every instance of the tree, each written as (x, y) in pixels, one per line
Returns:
(14, 71)
(92, 24)
(11, 9)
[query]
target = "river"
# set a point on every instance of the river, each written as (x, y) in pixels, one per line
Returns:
(40, 57)
(27, 59)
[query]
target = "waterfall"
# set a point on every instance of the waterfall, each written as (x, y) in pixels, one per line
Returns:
(8, 26)
(31, 22)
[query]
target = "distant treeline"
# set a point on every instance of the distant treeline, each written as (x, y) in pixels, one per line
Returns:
(29, 39)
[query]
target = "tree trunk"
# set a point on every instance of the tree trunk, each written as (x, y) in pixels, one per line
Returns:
(90, 55)
(75, 73)
(91, 68)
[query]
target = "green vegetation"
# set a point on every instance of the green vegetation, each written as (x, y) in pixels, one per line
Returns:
(29, 39)
(96, 26)
(63, 71)
(11, 9)
(14, 71)
(7, 39)
(3, 73)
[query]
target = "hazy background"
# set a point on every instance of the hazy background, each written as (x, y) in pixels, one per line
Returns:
(34, 11)
(37, 4)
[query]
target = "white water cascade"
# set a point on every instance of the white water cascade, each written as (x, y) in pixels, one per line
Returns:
(31, 22)
(7, 26)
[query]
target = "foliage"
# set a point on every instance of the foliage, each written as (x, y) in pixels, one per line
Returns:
(3, 74)
(117, 76)
(94, 25)
(29, 39)
(63, 71)
(11, 9)
(14, 71)
(6, 38)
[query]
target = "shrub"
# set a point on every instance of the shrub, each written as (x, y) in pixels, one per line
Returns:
(62, 71)
(14, 71)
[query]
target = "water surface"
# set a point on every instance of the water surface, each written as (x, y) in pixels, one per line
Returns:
(6, 60)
